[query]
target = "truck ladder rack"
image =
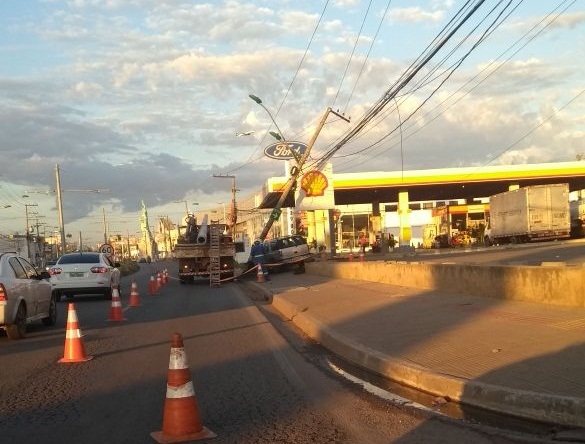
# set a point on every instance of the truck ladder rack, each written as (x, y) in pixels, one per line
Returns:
(214, 259)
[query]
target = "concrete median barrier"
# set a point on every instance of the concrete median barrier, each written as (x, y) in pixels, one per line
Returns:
(551, 284)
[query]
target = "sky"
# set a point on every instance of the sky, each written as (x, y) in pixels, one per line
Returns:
(141, 100)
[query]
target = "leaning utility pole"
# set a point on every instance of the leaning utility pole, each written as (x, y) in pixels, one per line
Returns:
(295, 173)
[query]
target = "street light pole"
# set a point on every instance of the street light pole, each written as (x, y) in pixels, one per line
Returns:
(60, 209)
(28, 228)
(60, 205)
(234, 210)
(105, 226)
(291, 183)
(259, 102)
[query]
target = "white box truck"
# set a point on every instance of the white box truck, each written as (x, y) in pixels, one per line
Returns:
(538, 212)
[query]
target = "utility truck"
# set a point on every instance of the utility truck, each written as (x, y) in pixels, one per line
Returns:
(532, 213)
(205, 250)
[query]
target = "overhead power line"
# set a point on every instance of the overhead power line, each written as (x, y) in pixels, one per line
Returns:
(400, 84)
(489, 70)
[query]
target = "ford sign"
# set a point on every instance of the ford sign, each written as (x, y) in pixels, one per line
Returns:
(285, 150)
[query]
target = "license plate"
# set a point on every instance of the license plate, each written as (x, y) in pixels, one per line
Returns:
(76, 274)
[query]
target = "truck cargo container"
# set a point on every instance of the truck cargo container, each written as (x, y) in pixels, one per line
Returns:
(538, 212)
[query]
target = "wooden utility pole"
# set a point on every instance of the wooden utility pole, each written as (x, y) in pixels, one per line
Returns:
(295, 173)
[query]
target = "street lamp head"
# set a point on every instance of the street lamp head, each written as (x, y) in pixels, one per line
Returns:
(275, 135)
(255, 99)
(259, 102)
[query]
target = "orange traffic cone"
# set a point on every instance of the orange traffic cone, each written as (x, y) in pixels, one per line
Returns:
(350, 257)
(152, 288)
(260, 274)
(181, 422)
(165, 277)
(134, 297)
(116, 314)
(74, 350)
(158, 281)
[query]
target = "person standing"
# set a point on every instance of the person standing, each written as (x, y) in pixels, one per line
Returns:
(363, 243)
(392, 242)
(257, 254)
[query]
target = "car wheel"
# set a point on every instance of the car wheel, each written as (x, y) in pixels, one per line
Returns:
(18, 329)
(52, 318)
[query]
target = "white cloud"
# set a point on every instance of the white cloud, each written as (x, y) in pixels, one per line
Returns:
(415, 15)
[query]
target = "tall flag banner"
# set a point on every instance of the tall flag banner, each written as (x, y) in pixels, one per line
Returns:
(150, 245)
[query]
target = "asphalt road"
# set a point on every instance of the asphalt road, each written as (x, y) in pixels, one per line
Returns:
(256, 379)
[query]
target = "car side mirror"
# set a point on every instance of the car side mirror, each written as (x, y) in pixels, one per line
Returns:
(44, 274)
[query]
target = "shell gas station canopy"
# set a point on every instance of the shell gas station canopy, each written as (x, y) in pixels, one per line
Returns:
(437, 184)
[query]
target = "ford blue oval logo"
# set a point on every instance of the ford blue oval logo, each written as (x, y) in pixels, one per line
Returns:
(285, 150)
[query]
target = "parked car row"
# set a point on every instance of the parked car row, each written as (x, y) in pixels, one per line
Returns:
(28, 295)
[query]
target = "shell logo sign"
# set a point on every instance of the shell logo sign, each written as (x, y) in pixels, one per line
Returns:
(314, 183)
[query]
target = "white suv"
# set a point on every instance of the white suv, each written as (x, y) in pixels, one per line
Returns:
(25, 296)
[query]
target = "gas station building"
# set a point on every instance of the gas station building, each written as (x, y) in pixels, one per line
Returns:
(414, 206)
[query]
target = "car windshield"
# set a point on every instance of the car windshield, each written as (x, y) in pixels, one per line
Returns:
(299, 240)
(80, 259)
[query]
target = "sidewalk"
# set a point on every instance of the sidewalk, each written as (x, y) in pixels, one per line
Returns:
(517, 358)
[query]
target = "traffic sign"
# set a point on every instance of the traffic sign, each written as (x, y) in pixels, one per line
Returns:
(275, 214)
(107, 249)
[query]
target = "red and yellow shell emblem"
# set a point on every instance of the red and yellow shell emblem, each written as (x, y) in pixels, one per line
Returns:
(314, 183)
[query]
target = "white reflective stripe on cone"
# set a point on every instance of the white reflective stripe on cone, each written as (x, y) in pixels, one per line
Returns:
(73, 333)
(178, 360)
(184, 391)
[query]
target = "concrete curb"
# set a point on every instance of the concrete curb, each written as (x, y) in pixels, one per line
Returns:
(524, 404)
